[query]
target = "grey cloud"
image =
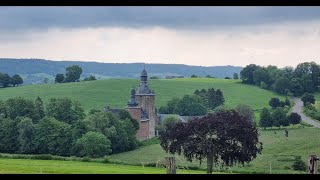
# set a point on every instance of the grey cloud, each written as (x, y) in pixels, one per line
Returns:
(24, 18)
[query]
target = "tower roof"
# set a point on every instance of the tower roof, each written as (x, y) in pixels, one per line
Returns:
(144, 72)
(132, 102)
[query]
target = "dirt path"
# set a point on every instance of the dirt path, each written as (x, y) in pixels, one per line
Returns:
(298, 109)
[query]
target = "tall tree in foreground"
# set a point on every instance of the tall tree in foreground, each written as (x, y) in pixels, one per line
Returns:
(223, 136)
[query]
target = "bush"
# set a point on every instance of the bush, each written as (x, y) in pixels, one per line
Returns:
(299, 165)
(42, 157)
(86, 159)
(106, 160)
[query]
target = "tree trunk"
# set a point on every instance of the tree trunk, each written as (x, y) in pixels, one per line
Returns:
(171, 165)
(312, 165)
(209, 163)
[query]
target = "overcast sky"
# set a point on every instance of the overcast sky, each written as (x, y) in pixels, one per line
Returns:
(204, 36)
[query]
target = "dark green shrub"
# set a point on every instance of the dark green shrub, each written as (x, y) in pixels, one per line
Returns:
(299, 165)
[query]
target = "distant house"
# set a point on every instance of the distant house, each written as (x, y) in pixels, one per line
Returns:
(172, 77)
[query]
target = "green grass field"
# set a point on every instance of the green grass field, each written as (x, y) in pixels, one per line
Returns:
(115, 92)
(278, 152)
(27, 166)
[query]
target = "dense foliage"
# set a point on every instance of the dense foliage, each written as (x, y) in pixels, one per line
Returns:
(211, 98)
(224, 136)
(6, 80)
(73, 74)
(62, 128)
(189, 105)
(304, 78)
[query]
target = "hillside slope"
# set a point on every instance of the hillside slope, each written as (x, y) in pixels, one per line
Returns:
(35, 70)
(115, 92)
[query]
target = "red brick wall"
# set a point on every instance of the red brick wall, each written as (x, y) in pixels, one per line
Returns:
(143, 131)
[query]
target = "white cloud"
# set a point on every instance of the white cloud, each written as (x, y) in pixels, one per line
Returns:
(283, 44)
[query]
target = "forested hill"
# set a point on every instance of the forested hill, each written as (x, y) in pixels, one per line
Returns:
(120, 70)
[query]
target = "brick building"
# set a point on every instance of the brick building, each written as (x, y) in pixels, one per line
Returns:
(142, 108)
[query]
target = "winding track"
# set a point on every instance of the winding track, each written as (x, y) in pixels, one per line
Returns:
(298, 109)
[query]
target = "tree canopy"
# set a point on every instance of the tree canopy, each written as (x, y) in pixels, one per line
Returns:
(209, 138)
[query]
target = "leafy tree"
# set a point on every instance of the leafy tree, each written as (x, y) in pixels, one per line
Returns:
(73, 73)
(171, 106)
(170, 120)
(27, 133)
(308, 98)
(246, 74)
(92, 111)
(260, 75)
(235, 76)
(59, 78)
(93, 144)
(39, 109)
(265, 118)
(124, 114)
(121, 133)
(281, 85)
(209, 137)
(191, 105)
(3, 111)
(19, 106)
(245, 111)
(53, 137)
(5, 80)
(63, 109)
(274, 102)
(227, 77)
(193, 76)
(294, 118)
(208, 76)
(279, 118)
(8, 135)
(296, 88)
(264, 85)
(16, 80)
(211, 98)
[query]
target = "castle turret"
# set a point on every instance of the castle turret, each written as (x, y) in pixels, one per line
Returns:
(146, 98)
(132, 101)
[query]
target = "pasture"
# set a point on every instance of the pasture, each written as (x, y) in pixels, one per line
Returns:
(277, 155)
(116, 92)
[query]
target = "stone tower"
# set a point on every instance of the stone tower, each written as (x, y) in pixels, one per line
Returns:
(141, 107)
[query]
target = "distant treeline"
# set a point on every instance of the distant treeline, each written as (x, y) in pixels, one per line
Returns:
(296, 81)
(125, 70)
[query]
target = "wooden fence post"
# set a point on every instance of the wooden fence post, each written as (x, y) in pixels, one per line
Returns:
(171, 165)
(312, 165)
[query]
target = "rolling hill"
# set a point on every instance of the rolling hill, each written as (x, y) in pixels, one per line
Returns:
(33, 71)
(115, 92)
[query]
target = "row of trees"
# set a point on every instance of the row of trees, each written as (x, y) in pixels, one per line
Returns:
(304, 78)
(277, 117)
(62, 128)
(194, 105)
(6, 80)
